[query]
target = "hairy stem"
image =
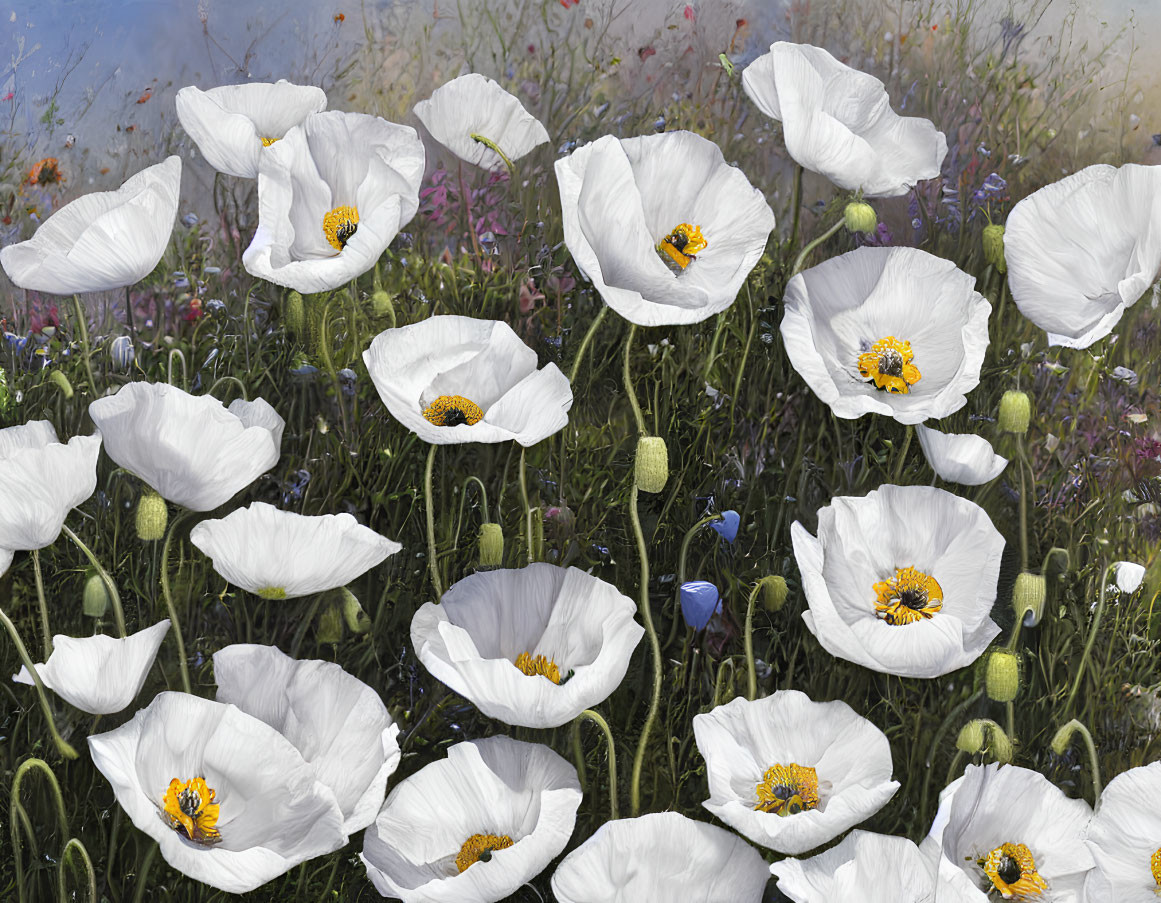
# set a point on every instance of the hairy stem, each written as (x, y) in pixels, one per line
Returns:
(655, 647)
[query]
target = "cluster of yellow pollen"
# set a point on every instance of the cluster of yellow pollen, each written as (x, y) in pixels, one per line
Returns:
(909, 596)
(190, 809)
(46, 172)
(1155, 867)
(452, 410)
(888, 364)
(272, 593)
(788, 789)
(682, 245)
(480, 847)
(1012, 870)
(266, 142)
(339, 225)
(540, 665)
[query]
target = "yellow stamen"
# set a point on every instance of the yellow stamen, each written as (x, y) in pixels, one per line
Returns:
(339, 225)
(190, 810)
(540, 665)
(266, 142)
(452, 410)
(682, 245)
(888, 363)
(272, 592)
(1012, 870)
(1155, 867)
(788, 789)
(909, 596)
(481, 847)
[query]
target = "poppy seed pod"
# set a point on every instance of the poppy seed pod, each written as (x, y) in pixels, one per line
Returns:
(491, 545)
(152, 517)
(95, 599)
(294, 313)
(1015, 412)
(971, 737)
(58, 379)
(1063, 737)
(1028, 597)
(859, 216)
(330, 625)
(652, 468)
(773, 592)
(1002, 676)
(993, 241)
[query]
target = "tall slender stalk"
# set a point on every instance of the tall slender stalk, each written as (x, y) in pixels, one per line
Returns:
(585, 342)
(805, 252)
(432, 565)
(628, 380)
(175, 624)
(46, 633)
(655, 648)
(600, 722)
(86, 354)
(751, 672)
(62, 747)
(1092, 632)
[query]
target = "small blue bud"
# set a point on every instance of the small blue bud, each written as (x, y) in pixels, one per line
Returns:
(727, 527)
(700, 601)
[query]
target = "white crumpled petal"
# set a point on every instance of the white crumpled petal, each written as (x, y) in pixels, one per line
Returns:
(41, 481)
(1083, 249)
(961, 458)
(332, 160)
(838, 121)
(864, 540)
(102, 240)
(621, 197)
(997, 804)
(584, 625)
(282, 555)
(837, 310)
(274, 813)
(869, 868)
(229, 123)
(190, 448)
(1123, 837)
(1128, 575)
(6, 556)
(99, 674)
(660, 857)
(497, 786)
(742, 739)
(336, 721)
(475, 105)
(483, 361)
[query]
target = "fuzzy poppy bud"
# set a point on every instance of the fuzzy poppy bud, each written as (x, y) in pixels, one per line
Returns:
(652, 468)
(999, 744)
(95, 599)
(1015, 412)
(1028, 598)
(971, 737)
(357, 620)
(1063, 736)
(294, 313)
(382, 306)
(152, 516)
(1002, 676)
(773, 592)
(330, 625)
(58, 379)
(860, 216)
(993, 241)
(491, 545)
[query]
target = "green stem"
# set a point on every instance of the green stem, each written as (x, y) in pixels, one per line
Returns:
(903, 453)
(796, 206)
(62, 747)
(585, 342)
(495, 148)
(647, 618)
(175, 624)
(600, 722)
(1025, 468)
(718, 680)
(143, 873)
(629, 388)
(86, 354)
(751, 672)
(1096, 621)
(527, 505)
(483, 494)
(110, 586)
(805, 252)
(1094, 763)
(432, 565)
(45, 632)
(74, 846)
(466, 199)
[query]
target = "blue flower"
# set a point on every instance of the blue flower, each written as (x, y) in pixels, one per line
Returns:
(727, 527)
(700, 601)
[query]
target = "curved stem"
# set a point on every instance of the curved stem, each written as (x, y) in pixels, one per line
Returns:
(177, 352)
(1094, 763)
(174, 623)
(432, 566)
(86, 354)
(1096, 622)
(628, 379)
(110, 586)
(46, 634)
(483, 493)
(801, 258)
(718, 679)
(227, 379)
(74, 846)
(495, 148)
(585, 342)
(647, 618)
(62, 747)
(600, 722)
(751, 672)
(466, 200)
(952, 716)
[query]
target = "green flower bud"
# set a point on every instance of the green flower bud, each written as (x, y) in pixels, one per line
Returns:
(773, 592)
(1063, 736)
(491, 545)
(860, 216)
(58, 379)
(95, 600)
(971, 737)
(652, 468)
(152, 516)
(357, 620)
(1002, 676)
(999, 745)
(993, 240)
(294, 313)
(1028, 597)
(1015, 412)
(382, 306)
(330, 625)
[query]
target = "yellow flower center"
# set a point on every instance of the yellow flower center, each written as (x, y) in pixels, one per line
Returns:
(339, 225)
(788, 789)
(272, 592)
(190, 810)
(452, 410)
(888, 363)
(266, 142)
(681, 246)
(1155, 867)
(1012, 871)
(545, 667)
(479, 848)
(909, 596)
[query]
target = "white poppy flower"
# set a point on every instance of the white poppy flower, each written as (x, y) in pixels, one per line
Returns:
(234, 123)
(229, 800)
(191, 449)
(332, 195)
(1081, 250)
(960, 457)
(792, 774)
(474, 826)
(6, 556)
(282, 555)
(661, 225)
(41, 481)
(870, 868)
(1128, 575)
(901, 580)
(1008, 831)
(838, 121)
(662, 856)
(1124, 838)
(99, 674)
(457, 379)
(893, 331)
(533, 647)
(102, 240)
(336, 721)
(475, 105)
